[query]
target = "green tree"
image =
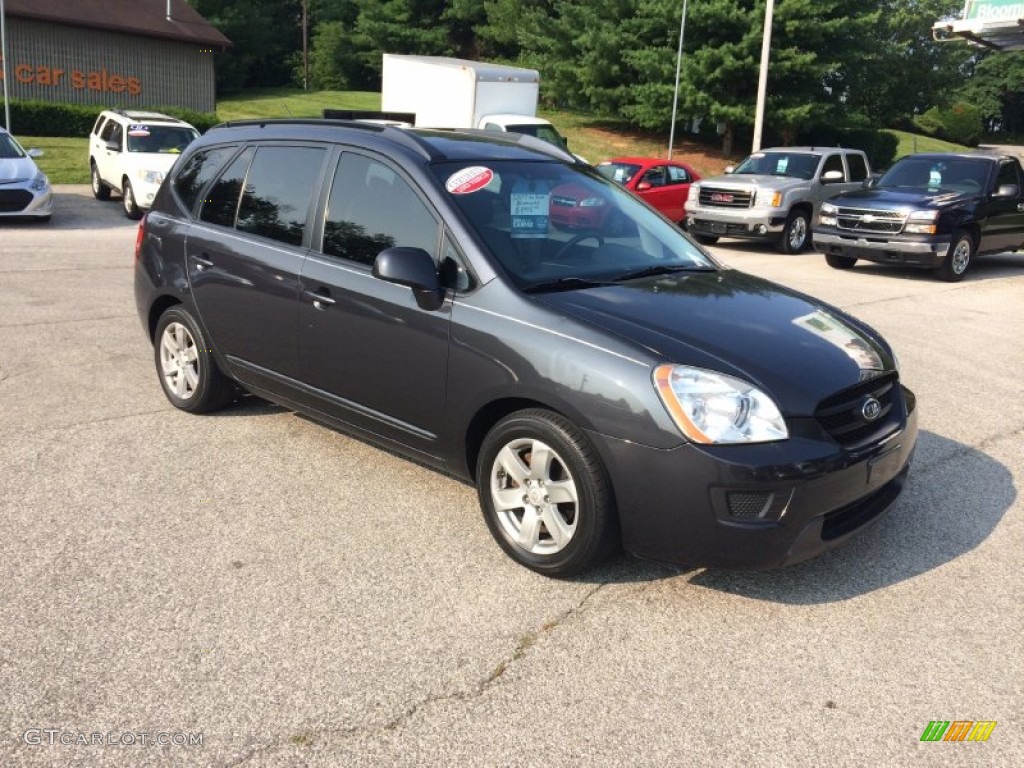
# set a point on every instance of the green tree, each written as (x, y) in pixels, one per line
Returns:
(996, 88)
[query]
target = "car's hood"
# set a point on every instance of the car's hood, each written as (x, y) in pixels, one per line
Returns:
(17, 169)
(795, 348)
(895, 199)
(747, 180)
(151, 161)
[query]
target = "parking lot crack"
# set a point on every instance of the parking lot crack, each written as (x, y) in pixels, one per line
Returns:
(477, 690)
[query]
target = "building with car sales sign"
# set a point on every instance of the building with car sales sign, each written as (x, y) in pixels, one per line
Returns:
(110, 53)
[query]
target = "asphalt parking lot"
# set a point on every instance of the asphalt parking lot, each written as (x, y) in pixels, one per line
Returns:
(287, 595)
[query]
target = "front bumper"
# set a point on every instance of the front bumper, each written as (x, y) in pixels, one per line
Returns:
(20, 200)
(674, 505)
(911, 250)
(754, 223)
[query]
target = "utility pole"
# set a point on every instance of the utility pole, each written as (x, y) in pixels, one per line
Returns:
(675, 95)
(3, 56)
(305, 45)
(762, 78)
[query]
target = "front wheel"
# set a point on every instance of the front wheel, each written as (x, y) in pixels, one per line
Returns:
(99, 190)
(796, 233)
(188, 373)
(958, 261)
(545, 495)
(131, 208)
(839, 262)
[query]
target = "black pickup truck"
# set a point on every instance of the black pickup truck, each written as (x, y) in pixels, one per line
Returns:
(936, 211)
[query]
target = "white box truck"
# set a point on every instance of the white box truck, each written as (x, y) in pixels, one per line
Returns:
(455, 93)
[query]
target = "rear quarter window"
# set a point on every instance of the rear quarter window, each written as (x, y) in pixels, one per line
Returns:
(197, 172)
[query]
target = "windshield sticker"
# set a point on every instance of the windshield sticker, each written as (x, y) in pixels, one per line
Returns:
(469, 180)
(529, 214)
(138, 130)
(781, 165)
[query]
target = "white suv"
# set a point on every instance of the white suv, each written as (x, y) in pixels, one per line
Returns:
(131, 152)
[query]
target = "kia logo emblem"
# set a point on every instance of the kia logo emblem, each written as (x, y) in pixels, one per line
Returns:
(871, 409)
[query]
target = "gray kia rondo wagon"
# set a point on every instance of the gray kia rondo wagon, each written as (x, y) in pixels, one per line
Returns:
(604, 386)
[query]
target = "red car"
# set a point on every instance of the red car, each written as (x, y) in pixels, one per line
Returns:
(662, 184)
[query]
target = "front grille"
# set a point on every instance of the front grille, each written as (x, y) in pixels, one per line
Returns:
(726, 198)
(13, 200)
(867, 221)
(842, 414)
(840, 522)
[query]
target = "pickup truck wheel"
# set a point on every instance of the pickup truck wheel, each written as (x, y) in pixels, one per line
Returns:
(795, 235)
(961, 254)
(706, 239)
(839, 262)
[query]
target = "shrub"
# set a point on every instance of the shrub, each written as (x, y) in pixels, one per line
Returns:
(43, 118)
(961, 123)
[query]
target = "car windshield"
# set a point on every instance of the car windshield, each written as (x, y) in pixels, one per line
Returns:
(798, 165)
(552, 225)
(620, 172)
(541, 131)
(931, 174)
(9, 148)
(159, 138)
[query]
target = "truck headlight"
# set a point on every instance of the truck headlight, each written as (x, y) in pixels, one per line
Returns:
(713, 408)
(829, 208)
(152, 177)
(768, 197)
(922, 222)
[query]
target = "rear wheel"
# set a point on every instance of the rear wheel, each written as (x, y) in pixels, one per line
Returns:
(99, 190)
(839, 262)
(796, 233)
(188, 373)
(545, 494)
(959, 259)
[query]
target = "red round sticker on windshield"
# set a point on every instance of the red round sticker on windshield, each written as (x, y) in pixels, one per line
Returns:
(469, 180)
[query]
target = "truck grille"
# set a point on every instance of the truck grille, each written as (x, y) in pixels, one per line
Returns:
(726, 198)
(867, 221)
(13, 200)
(842, 414)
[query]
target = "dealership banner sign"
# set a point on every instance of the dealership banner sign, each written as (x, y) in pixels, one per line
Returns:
(994, 10)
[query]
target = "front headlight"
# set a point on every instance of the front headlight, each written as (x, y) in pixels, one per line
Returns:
(694, 192)
(713, 408)
(829, 208)
(591, 202)
(152, 177)
(40, 182)
(768, 197)
(922, 222)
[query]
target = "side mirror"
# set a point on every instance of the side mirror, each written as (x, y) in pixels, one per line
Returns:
(642, 186)
(34, 152)
(831, 177)
(113, 146)
(413, 268)
(1007, 190)
(730, 168)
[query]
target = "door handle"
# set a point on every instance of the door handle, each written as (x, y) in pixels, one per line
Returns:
(321, 298)
(202, 262)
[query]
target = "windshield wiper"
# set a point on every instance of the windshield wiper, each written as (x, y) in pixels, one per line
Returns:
(663, 269)
(564, 284)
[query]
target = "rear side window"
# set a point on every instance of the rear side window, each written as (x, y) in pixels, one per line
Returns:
(858, 168)
(833, 163)
(278, 192)
(197, 173)
(221, 202)
(677, 175)
(372, 208)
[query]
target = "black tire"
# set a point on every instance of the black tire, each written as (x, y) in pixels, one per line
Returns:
(960, 257)
(99, 190)
(585, 520)
(185, 365)
(796, 234)
(131, 208)
(836, 261)
(706, 239)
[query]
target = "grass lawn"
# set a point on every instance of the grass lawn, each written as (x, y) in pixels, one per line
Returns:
(64, 160)
(911, 143)
(292, 102)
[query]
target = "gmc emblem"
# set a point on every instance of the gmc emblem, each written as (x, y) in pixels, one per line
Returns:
(721, 197)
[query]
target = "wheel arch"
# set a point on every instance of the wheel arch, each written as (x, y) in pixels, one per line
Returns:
(160, 305)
